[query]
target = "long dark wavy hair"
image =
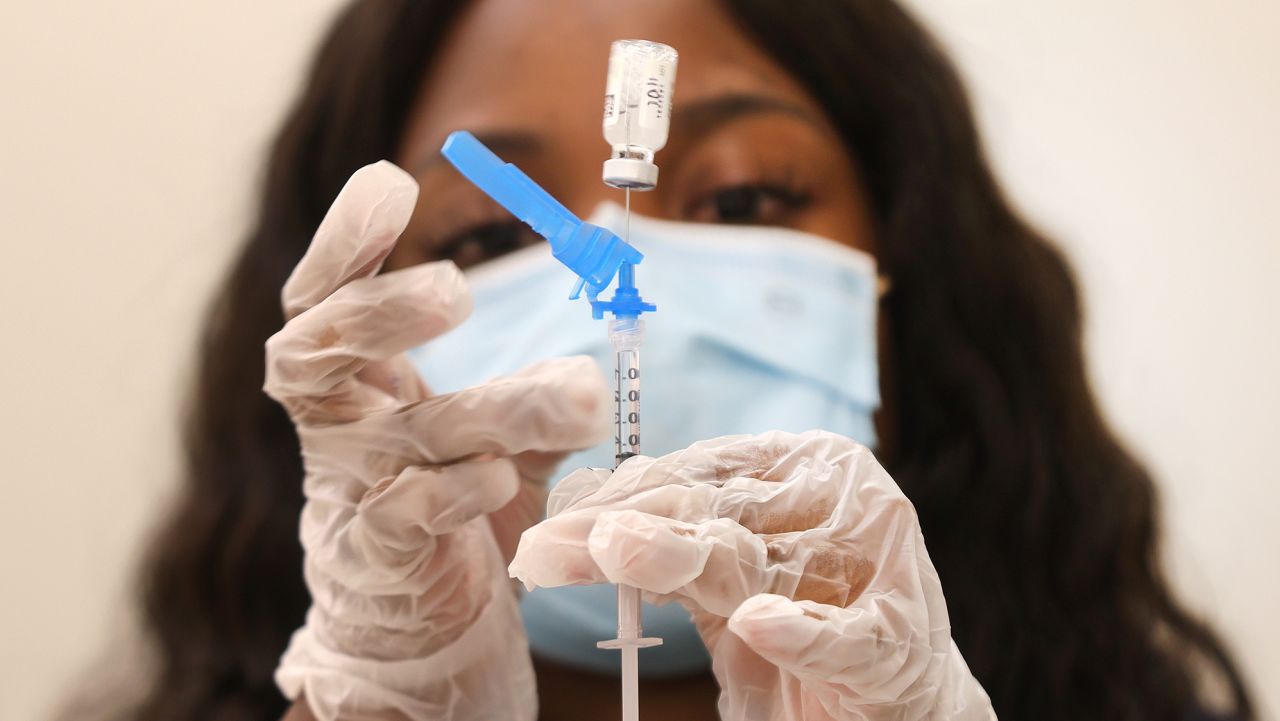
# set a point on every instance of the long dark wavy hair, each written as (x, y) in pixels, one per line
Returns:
(1043, 528)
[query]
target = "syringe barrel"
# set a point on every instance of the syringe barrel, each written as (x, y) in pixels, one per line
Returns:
(626, 333)
(629, 612)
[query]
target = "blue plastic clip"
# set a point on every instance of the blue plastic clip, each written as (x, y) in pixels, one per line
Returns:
(594, 254)
(626, 301)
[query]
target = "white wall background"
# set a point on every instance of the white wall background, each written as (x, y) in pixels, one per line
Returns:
(1141, 133)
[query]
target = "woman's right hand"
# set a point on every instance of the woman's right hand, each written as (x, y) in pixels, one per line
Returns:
(802, 564)
(410, 498)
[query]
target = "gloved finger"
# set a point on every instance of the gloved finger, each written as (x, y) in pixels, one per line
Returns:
(660, 555)
(578, 504)
(772, 482)
(559, 404)
(435, 589)
(715, 564)
(355, 237)
(811, 486)
(670, 486)
(536, 467)
(870, 648)
(530, 504)
(567, 550)
(718, 564)
(821, 522)
(317, 354)
(575, 488)
(396, 378)
(433, 500)
(379, 543)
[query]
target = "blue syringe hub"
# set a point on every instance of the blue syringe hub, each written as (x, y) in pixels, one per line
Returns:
(626, 301)
(594, 254)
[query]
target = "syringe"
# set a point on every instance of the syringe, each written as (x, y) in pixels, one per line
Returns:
(636, 120)
(626, 333)
(637, 116)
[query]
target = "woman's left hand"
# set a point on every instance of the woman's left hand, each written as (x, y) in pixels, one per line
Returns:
(800, 559)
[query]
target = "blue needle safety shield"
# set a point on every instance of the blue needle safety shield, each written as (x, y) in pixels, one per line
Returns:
(594, 254)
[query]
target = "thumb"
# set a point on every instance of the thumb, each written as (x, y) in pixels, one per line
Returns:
(869, 648)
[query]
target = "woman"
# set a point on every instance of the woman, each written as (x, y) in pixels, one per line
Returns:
(1043, 530)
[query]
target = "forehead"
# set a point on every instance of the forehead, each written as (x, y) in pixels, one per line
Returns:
(540, 65)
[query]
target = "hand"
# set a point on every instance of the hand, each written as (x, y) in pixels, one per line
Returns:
(800, 559)
(407, 493)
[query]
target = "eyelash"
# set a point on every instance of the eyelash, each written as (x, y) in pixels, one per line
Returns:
(490, 239)
(493, 238)
(788, 196)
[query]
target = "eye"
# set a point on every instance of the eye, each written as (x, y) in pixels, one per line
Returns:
(486, 241)
(749, 204)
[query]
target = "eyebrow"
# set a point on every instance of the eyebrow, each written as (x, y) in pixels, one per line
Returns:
(501, 142)
(700, 116)
(692, 120)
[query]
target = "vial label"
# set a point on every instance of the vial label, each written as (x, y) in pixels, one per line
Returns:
(657, 91)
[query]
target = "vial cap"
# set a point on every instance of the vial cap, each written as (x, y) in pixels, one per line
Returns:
(632, 173)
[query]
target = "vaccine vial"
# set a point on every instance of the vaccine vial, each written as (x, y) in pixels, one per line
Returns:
(637, 110)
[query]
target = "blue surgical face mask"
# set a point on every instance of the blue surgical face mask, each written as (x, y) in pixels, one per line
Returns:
(757, 329)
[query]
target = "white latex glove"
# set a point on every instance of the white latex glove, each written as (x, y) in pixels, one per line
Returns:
(802, 564)
(413, 616)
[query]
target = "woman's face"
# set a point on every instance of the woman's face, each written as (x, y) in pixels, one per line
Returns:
(748, 145)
